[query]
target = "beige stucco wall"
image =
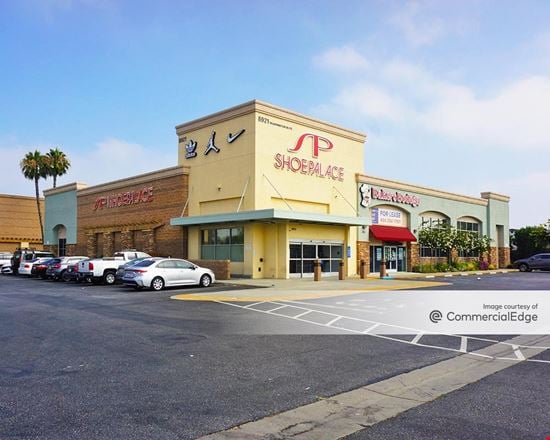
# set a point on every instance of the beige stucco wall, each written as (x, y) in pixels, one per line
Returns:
(218, 180)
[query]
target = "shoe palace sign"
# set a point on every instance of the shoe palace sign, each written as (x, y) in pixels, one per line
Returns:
(310, 167)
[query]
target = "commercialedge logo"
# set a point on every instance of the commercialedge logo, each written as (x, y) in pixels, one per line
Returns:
(436, 316)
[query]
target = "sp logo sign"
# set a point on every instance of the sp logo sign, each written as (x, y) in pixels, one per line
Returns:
(316, 142)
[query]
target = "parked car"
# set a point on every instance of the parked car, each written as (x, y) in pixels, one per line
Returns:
(21, 256)
(39, 269)
(5, 258)
(58, 270)
(538, 261)
(72, 274)
(104, 269)
(26, 267)
(5, 269)
(120, 271)
(157, 273)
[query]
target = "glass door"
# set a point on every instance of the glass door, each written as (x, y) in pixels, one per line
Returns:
(303, 255)
(390, 252)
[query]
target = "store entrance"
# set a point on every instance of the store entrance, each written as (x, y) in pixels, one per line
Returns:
(303, 254)
(395, 255)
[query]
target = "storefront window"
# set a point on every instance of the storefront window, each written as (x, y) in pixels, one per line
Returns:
(431, 222)
(222, 244)
(472, 228)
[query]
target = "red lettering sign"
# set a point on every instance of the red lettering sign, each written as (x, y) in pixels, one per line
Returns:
(397, 197)
(308, 167)
(317, 142)
(143, 195)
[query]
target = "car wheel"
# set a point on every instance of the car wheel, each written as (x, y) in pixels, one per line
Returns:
(157, 284)
(109, 278)
(65, 276)
(205, 281)
(524, 268)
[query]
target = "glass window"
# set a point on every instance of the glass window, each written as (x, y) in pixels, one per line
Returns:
(223, 236)
(336, 251)
(237, 235)
(223, 252)
(295, 251)
(323, 251)
(208, 252)
(295, 266)
(309, 251)
(472, 228)
(208, 236)
(237, 252)
(222, 244)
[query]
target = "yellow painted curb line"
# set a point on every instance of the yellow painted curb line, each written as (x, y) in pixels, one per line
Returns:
(295, 295)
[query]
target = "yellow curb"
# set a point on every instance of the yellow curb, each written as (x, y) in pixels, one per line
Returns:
(269, 295)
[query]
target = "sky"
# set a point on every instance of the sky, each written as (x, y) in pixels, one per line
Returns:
(453, 95)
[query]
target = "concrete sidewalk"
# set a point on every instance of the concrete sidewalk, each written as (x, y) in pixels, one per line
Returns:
(302, 288)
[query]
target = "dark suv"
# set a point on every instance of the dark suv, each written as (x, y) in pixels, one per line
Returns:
(22, 255)
(539, 261)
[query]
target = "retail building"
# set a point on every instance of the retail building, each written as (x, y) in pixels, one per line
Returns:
(19, 224)
(267, 191)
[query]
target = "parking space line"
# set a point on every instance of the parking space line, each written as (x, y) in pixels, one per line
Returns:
(371, 328)
(518, 352)
(300, 317)
(333, 321)
(463, 344)
(254, 304)
(278, 308)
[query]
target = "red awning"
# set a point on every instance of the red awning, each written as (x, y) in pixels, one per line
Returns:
(391, 233)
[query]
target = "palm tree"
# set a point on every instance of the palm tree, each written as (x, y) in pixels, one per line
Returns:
(35, 166)
(58, 164)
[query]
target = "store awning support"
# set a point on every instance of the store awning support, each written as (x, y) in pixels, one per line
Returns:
(347, 201)
(184, 207)
(243, 194)
(277, 191)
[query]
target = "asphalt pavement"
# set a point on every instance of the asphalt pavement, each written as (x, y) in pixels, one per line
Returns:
(105, 362)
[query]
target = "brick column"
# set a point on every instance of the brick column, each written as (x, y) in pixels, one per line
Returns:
(108, 244)
(493, 256)
(363, 253)
(91, 245)
(413, 255)
(150, 244)
(127, 239)
(70, 249)
(503, 257)
(51, 248)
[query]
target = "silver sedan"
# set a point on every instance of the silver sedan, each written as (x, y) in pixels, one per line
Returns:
(158, 273)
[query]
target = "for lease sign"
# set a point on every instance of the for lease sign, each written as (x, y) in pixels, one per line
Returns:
(388, 217)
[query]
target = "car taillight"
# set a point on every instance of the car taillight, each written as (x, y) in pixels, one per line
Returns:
(139, 270)
(56, 266)
(27, 266)
(91, 266)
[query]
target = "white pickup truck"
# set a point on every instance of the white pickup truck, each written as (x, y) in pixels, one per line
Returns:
(104, 269)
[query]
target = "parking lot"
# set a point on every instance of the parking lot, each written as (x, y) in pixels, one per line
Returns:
(86, 361)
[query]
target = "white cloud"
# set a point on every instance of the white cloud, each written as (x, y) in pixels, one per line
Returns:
(529, 202)
(364, 100)
(110, 159)
(343, 59)
(515, 117)
(417, 26)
